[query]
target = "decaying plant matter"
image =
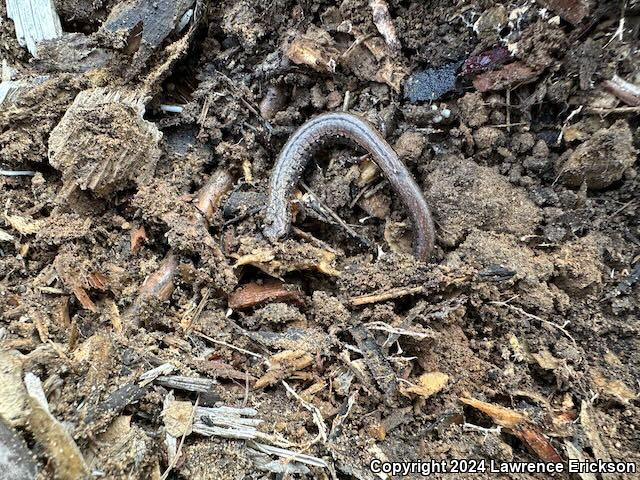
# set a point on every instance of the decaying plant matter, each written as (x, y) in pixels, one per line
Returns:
(248, 239)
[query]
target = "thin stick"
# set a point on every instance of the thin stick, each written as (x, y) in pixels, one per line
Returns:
(328, 211)
(383, 296)
(535, 317)
(17, 173)
(220, 342)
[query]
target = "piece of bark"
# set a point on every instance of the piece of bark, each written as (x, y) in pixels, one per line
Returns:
(34, 20)
(146, 23)
(158, 285)
(520, 426)
(384, 23)
(282, 365)
(72, 52)
(511, 74)
(573, 11)
(189, 384)
(377, 363)
(103, 143)
(210, 195)
(102, 414)
(62, 450)
(254, 294)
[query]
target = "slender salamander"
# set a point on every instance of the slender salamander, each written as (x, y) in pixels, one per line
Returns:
(331, 128)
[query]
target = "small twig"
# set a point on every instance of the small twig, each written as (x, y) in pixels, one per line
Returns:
(318, 419)
(17, 173)
(384, 327)
(535, 317)
(307, 236)
(355, 43)
(619, 33)
(623, 207)
(508, 101)
(329, 212)
(386, 295)
(477, 428)
(220, 342)
(508, 125)
(607, 111)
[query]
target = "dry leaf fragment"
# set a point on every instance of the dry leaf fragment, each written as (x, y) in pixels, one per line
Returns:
(98, 280)
(178, 418)
(614, 388)
(315, 49)
(24, 225)
(84, 299)
(546, 360)
(428, 384)
(282, 365)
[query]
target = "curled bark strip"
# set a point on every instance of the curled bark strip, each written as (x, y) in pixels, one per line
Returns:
(384, 23)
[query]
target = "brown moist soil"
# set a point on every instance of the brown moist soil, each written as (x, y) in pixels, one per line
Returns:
(138, 241)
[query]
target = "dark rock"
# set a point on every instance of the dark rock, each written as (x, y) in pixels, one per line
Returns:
(431, 84)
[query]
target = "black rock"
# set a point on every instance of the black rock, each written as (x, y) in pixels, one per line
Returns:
(431, 84)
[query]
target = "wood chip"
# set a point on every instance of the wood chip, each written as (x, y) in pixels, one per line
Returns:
(253, 294)
(67, 460)
(428, 384)
(510, 74)
(35, 21)
(189, 384)
(520, 426)
(138, 238)
(573, 11)
(103, 143)
(178, 418)
(282, 365)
